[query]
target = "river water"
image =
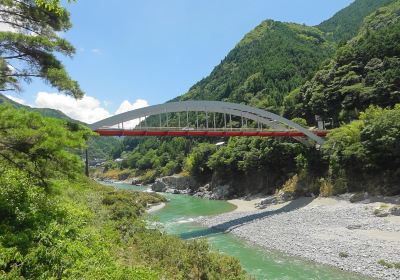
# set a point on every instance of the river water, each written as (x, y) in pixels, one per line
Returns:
(177, 218)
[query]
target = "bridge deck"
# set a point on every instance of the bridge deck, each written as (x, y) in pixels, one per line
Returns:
(206, 133)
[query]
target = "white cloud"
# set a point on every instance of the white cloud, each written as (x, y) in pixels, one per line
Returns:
(96, 51)
(16, 99)
(88, 109)
(127, 106)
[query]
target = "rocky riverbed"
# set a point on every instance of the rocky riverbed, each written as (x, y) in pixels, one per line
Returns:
(333, 231)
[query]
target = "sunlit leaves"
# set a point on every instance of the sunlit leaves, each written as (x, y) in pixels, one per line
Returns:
(29, 49)
(42, 147)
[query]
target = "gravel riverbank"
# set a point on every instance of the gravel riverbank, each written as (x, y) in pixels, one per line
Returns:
(325, 230)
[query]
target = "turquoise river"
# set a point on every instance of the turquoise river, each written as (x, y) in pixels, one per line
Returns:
(177, 218)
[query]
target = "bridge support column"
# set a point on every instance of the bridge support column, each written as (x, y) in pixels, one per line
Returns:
(225, 121)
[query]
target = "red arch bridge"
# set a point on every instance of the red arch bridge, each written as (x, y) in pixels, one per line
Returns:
(205, 118)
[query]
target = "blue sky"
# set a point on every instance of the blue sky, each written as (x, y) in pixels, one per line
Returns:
(155, 50)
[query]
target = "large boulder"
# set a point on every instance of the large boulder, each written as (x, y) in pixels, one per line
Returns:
(381, 212)
(159, 186)
(221, 192)
(268, 200)
(358, 197)
(395, 211)
(177, 182)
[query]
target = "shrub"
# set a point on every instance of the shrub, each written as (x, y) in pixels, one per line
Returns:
(149, 176)
(385, 264)
(343, 254)
(326, 188)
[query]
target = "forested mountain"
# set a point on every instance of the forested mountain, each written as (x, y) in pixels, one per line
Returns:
(346, 23)
(265, 65)
(297, 71)
(363, 72)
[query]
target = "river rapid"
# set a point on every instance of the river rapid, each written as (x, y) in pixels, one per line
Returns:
(178, 217)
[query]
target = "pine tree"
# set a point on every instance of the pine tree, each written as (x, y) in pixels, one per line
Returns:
(28, 50)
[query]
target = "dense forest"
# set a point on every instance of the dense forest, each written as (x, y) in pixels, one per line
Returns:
(266, 64)
(57, 224)
(54, 222)
(336, 70)
(346, 23)
(363, 72)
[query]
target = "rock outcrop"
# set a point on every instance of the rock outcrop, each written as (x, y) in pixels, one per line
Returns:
(174, 184)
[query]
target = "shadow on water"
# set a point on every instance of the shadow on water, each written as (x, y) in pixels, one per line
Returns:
(232, 224)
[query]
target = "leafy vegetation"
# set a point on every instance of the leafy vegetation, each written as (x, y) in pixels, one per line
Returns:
(268, 63)
(388, 264)
(363, 72)
(274, 67)
(31, 51)
(345, 24)
(56, 224)
(46, 112)
(365, 154)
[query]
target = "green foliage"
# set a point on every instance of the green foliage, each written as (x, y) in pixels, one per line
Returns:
(75, 228)
(52, 5)
(363, 72)
(367, 148)
(272, 160)
(345, 24)
(103, 147)
(164, 156)
(387, 264)
(45, 112)
(267, 64)
(282, 67)
(40, 146)
(32, 51)
(196, 162)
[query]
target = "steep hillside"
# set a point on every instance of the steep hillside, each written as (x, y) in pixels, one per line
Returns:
(363, 72)
(346, 23)
(265, 65)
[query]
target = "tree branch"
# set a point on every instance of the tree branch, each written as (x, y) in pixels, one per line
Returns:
(15, 56)
(20, 26)
(7, 89)
(24, 75)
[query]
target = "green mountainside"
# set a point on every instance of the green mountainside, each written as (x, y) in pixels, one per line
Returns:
(345, 24)
(43, 111)
(363, 72)
(99, 147)
(266, 64)
(300, 72)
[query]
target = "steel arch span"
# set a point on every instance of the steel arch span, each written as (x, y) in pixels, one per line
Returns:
(279, 125)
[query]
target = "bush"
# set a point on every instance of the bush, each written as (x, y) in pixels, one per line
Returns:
(326, 188)
(385, 264)
(149, 176)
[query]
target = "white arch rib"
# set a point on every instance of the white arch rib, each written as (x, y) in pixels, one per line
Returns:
(241, 110)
